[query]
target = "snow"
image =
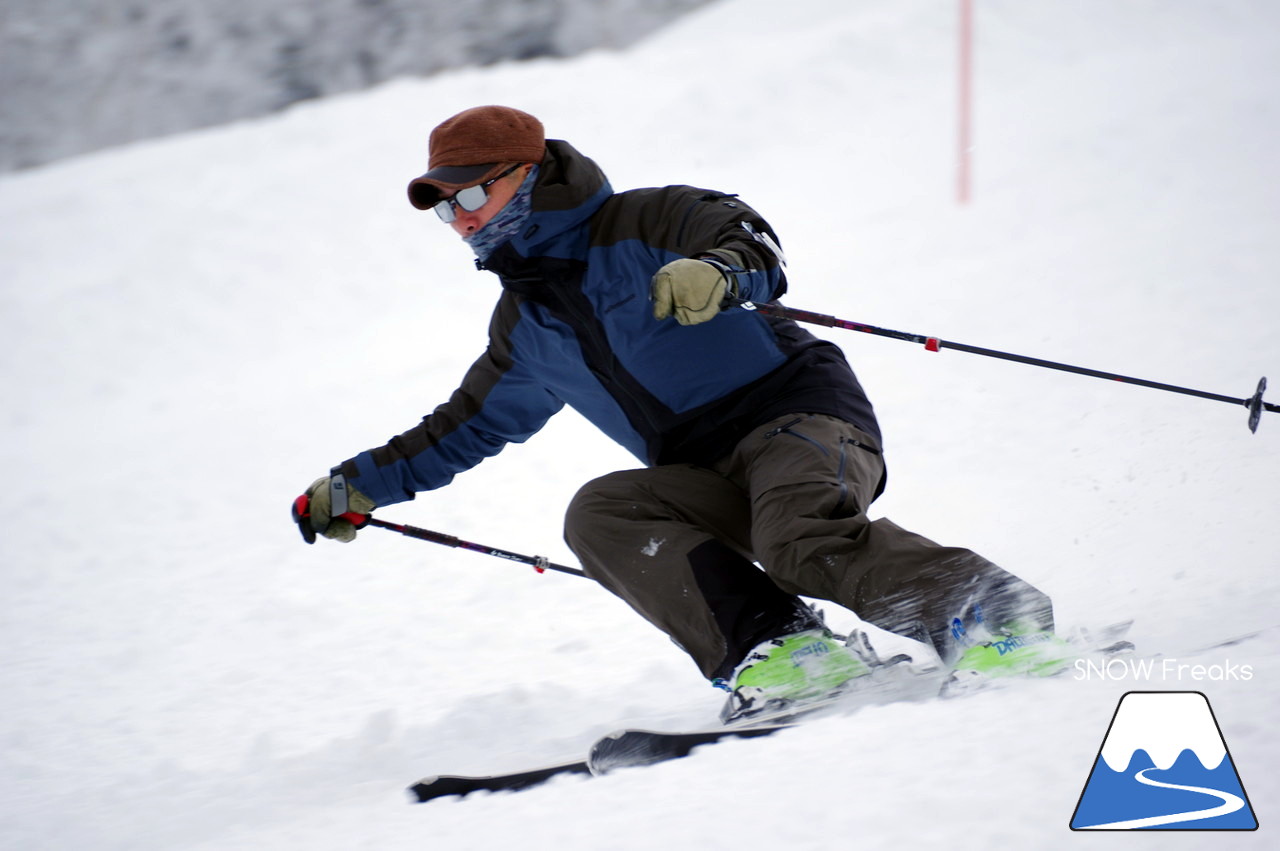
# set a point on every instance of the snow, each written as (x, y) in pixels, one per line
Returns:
(196, 328)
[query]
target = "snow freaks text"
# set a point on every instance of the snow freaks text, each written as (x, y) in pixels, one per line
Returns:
(1160, 669)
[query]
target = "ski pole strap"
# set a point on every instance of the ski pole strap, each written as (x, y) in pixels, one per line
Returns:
(1254, 403)
(538, 563)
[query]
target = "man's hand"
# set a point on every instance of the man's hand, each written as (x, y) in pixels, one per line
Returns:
(691, 290)
(313, 511)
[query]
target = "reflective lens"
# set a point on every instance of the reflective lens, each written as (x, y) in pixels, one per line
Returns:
(470, 199)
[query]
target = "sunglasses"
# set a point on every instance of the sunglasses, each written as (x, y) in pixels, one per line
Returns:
(470, 199)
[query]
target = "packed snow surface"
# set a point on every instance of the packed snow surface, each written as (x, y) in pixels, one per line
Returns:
(197, 328)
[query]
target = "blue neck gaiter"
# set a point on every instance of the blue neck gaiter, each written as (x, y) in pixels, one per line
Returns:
(507, 223)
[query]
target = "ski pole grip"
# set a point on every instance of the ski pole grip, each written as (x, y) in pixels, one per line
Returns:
(416, 532)
(302, 517)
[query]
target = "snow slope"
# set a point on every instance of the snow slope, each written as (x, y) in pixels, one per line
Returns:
(196, 328)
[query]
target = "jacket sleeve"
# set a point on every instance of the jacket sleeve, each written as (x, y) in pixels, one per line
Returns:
(498, 402)
(722, 228)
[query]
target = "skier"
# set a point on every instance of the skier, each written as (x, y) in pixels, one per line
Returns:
(758, 441)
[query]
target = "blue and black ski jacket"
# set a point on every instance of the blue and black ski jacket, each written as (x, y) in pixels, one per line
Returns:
(574, 325)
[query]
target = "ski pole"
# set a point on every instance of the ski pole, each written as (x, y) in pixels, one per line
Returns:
(302, 513)
(539, 563)
(1254, 403)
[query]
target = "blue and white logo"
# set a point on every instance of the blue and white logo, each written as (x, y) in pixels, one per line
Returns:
(1164, 765)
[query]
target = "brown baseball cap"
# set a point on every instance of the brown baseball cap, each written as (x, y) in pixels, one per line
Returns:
(474, 146)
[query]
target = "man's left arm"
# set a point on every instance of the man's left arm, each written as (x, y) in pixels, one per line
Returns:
(730, 252)
(736, 236)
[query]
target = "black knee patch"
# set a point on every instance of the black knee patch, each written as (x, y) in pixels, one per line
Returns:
(746, 605)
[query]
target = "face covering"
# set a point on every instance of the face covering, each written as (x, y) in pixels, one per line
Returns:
(507, 223)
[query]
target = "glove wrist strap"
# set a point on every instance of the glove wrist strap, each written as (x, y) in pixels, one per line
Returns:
(338, 504)
(729, 274)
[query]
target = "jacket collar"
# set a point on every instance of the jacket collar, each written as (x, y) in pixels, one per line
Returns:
(569, 191)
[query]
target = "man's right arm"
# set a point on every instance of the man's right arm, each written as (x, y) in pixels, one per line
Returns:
(498, 402)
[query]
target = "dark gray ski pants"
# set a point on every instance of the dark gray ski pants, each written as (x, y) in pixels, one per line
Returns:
(680, 544)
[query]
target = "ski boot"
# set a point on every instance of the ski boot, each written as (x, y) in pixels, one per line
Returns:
(789, 671)
(1021, 649)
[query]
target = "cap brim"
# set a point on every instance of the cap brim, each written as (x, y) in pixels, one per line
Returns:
(425, 191)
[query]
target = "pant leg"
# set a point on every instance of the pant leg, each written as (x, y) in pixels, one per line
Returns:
(811, 479)
(906, 583)
(674, 543)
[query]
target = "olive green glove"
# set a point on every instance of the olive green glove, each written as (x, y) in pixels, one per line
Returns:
(313, 512)
(692, 291)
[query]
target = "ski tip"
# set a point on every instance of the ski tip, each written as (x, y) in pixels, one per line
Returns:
(421, 792)
(444, 785)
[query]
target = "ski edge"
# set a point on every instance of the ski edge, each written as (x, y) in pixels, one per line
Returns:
(635, 747)
(444, 785)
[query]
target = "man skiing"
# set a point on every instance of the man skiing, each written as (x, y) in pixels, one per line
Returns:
(759, 444)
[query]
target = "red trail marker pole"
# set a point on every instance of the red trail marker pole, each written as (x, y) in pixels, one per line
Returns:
(964, 135)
